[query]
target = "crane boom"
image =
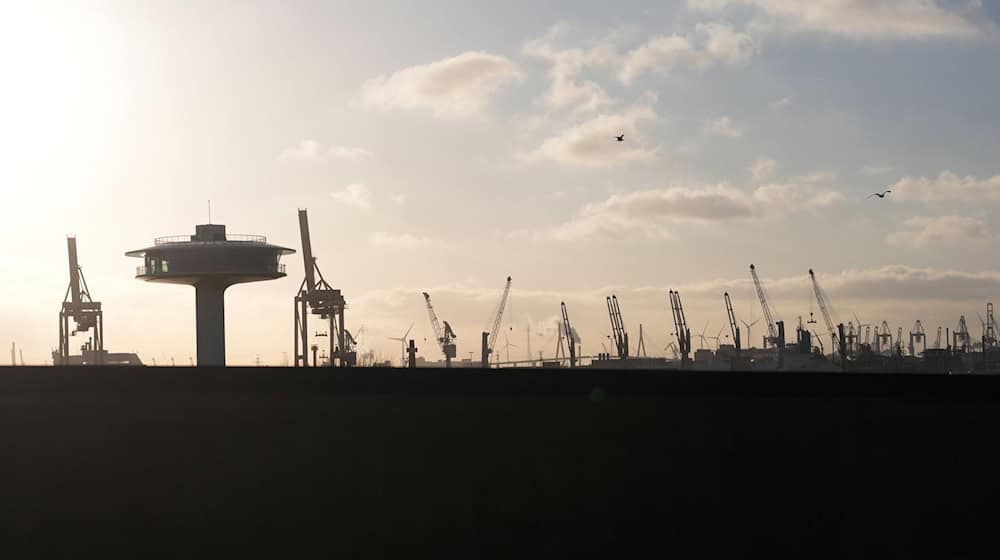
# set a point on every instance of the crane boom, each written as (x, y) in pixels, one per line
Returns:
(499, 316)
(680, 325)
(772, 329)
(307, 256)
(732, 321)
(444, 336)
(568, 330)
(74, 273)
(824, 308)
(618, 327)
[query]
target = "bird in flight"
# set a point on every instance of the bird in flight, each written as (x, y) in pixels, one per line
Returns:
(880, 194)
(620, 138)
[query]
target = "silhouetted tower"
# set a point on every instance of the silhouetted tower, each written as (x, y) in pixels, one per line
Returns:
(211, 261)
(989, 329)
(322, 299)
(85, 312)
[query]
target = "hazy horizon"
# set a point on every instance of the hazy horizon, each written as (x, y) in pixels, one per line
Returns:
(443, 146)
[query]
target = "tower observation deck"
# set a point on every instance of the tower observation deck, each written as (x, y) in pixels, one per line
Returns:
(211, 261)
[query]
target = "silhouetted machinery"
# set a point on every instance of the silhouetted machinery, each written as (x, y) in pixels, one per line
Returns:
(490, 338)
(618, 331)
(319, 298)
(445, 336)
(681, 329)
(565, 330)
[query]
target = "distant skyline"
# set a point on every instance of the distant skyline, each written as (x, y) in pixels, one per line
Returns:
(444, 145)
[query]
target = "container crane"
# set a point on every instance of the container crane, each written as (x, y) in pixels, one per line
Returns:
(681, 329)
(570, 339)
(825, 311)
(490, 338)
(732, 321)
(989, 329)
(618, 327)
(917, 335)
(961, 336)
(85, 312)
(885, 338)
(772, 328)
(318, 298)
(445, 336)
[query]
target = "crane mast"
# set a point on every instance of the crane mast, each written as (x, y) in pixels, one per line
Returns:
(444, 335)
(680, 327)
(85, 313)
(732, 321)
(618, 327)
(570, 339)
(824, 308)
(490, 338)
(772, 329)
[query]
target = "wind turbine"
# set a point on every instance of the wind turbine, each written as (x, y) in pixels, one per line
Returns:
(716, 338)
(402, 345)
(508, 346)
(747, 327)
(702, 336)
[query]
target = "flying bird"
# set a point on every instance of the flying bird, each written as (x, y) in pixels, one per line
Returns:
(880, 194)
(620, 138)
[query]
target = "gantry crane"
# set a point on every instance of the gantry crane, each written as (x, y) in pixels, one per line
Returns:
(490, 338)
(618, 327)
(732, 321)
(917, 335)
(85, 312)
(825, 310)
(570, 338)
(885, 338)
(961, 338)
(445, 336)
(989, 329)
(681, 329)
(772, 328)
(319, 298)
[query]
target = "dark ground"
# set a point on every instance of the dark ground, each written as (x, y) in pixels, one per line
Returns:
(192, 462)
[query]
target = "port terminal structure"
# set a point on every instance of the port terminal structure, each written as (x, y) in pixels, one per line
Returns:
(210, 260)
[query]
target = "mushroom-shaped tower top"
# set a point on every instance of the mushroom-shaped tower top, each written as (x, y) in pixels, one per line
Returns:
(211, 261)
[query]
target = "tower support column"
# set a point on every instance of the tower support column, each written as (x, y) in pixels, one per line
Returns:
(210, 312)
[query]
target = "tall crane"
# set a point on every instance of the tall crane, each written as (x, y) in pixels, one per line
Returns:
(732, 321)
(567, 329)
(961, 336)
(445, 336)
(322, 299)
(618, 327)
(490, 338)
(85, 312)
(772, 328)
(885, 338)
(681, 329)
(937, 339)
(825, 310)
(989, 329)
(917, 335)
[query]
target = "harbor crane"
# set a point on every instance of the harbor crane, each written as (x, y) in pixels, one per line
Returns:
(937, 339)
(825, 310)
(885, 338)
(681, 329)
(567, 329)
(961, 338)
(445, 336)
(85, 312)
(618, 327)
(917, 335)
(319, 298)
(989, 329)
(490, 338)
(733, 327)
(772, 328)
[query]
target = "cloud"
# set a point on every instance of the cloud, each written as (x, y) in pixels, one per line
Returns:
(862, 19)
(762, 168)
(592, 143)
(723, 126)
(711, 43)
(456, 86)
(780, 103)
(398, 198)
(355, 195)
(873, 169)
(948, 186)
(303, 151)
(342, 152)
(399, 240)
(652, 213)
(921, 231)
(566, 64)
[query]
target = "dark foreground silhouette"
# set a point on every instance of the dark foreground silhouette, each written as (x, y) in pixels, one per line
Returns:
(203, 462)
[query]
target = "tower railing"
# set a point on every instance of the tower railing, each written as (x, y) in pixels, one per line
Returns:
(230, 238)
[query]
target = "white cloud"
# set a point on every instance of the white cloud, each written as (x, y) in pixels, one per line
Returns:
(875, 169)
(711, 43)
(399, 239)
(651, 213)
(921, 231)
(456, 86)
(398, 198)
(355, 195)
(783, 102)
(303, 151)
(342, 152)
(723, 126)
(948, 186)
(565, 89)
(762, 168)
(592, 143)
(862, 19)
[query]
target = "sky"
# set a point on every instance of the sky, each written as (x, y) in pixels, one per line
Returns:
(441, 146)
